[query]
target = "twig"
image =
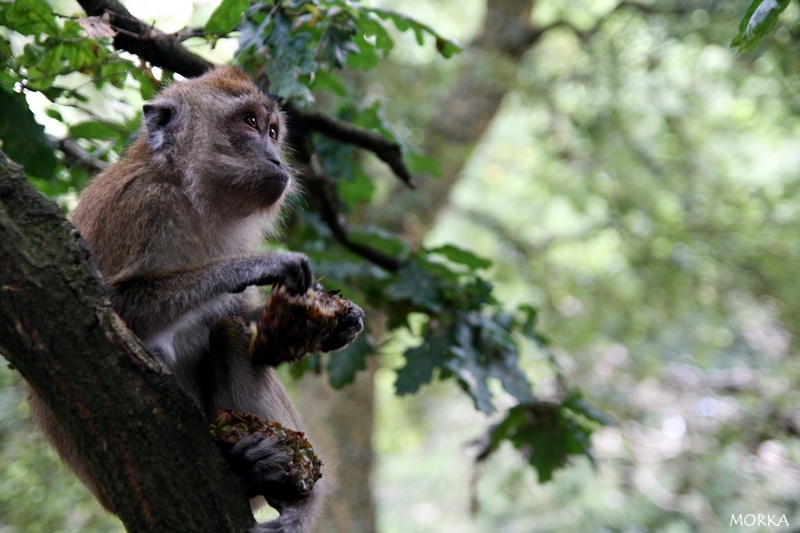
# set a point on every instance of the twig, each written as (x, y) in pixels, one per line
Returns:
(78, 155)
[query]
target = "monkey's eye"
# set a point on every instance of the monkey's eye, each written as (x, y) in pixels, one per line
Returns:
(273, 132)
(250, 120)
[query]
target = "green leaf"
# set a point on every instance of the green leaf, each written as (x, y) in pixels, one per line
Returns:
(372, 29)
(357, 190)
(415, 284)
(577, 404)
(23, 138)
(94, 129)
(227, 15)
(380, 239)
(82, 54)
(327, 80)
(52, 113)
(32, 17)
(115, 72)
(366, 58)
(421, 362)
(461, 256)
(419, 162)
(336, 44)
(147, 87)
(444, 46)
(51, 62)
(759, 20)
(496, 340)
(469, 367)
(345, 364)
(543, 435)
(5, 52)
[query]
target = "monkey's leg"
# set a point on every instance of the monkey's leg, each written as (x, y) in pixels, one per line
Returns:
(260, 461)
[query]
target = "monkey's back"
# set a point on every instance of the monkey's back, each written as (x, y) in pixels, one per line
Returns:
(133, 219)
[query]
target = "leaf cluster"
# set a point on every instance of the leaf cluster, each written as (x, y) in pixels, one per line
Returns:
(548, 433)
(297, 44)
(54, 47)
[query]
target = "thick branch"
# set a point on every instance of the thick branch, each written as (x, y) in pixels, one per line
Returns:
(143, 439)
(145, 41)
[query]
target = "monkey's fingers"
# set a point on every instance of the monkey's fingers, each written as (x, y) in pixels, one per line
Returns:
(273, 461)
(347, 329)
(294, 326)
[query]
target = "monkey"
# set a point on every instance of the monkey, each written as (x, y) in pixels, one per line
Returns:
(174, 228)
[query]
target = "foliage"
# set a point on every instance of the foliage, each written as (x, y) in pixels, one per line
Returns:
(547, 433)
(292, 42)
(298, 49)
(759, 20)
(656, 232)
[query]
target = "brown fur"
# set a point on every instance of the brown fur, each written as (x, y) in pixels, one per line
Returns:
(174, 229)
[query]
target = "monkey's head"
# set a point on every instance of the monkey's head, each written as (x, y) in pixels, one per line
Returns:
(222, 137)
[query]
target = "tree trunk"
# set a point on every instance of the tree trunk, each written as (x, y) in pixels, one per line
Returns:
(58, 329)
(488, 69)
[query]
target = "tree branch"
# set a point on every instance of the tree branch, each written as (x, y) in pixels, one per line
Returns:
(145, 41)
(387, 151)
(326, 201)
(536, 33)
(77, 156)
(123, 413)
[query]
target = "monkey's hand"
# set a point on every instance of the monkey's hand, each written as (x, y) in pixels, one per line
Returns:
(349, 325)
(272, 461)
(294, 326)
(290, 269)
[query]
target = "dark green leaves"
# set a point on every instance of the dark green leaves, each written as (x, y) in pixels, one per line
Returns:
(473, 347)
(293, 41)
(547, 434)
(461, 256)
(23, 138)
(227, 15)
(31, 17)
(759, 20)
(94, 129)
(344, 364)
(444, 46)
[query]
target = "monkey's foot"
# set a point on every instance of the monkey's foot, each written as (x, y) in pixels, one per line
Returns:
(274, 461)
(296, 325)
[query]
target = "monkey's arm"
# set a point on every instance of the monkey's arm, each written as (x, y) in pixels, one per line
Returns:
(149, 302)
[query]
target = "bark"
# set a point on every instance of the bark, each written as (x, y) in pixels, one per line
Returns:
(124, 413)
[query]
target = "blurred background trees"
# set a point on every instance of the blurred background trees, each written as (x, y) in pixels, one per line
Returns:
(633, 178)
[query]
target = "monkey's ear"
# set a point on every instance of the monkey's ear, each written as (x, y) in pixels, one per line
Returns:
(163, 119)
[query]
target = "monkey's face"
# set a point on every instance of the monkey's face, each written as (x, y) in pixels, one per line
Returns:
(224, 136)
(246, 162)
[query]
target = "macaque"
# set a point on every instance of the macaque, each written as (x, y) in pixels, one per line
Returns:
(174, 228)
